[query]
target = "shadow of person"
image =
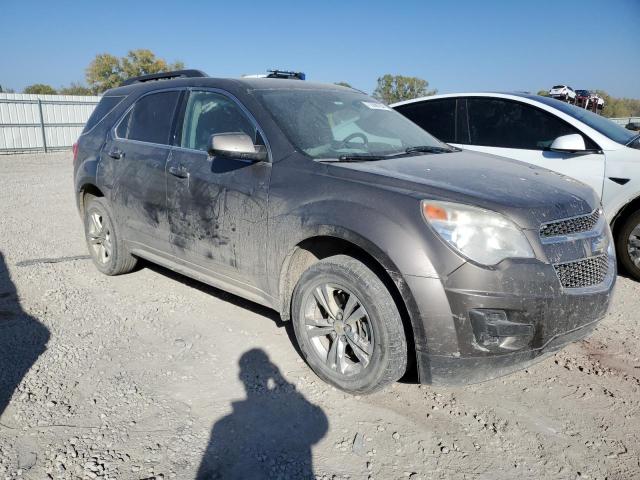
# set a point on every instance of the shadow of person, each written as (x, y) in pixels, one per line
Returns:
(22, 338)
(269, 434)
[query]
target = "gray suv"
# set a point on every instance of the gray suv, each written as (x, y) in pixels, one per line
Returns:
(385, 247)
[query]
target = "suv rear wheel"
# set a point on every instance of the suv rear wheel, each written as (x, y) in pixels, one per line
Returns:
(348, 326)
(108, 252)
(628, 245)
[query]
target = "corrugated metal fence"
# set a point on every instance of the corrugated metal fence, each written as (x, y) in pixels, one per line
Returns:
(31, 123)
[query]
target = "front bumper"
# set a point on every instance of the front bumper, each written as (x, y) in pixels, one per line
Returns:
(449, 351)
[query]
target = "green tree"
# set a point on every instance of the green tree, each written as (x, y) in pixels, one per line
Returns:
(343, 84)
(543, 93)
(40, 89)
(395, 88)
(104, 72)
(143, 62)
(108, 71)
(75, 89)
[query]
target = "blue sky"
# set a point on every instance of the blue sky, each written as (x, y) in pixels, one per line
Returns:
(455, 45)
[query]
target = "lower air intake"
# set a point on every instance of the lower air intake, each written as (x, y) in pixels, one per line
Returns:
(583, 273)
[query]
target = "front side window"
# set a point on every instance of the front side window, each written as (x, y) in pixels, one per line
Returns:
(502, 123)
(325, 123)
(150, 119)
(438, 117)
(210, 113)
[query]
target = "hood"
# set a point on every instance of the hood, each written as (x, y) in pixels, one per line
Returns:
(529, 195)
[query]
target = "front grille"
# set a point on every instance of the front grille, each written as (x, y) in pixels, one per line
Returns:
(580, 224)
(583, 273)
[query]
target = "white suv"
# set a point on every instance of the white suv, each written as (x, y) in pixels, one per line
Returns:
(564, 92)
(551, 134)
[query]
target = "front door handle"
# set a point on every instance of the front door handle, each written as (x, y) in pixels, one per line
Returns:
(179, 172)
(116, 153)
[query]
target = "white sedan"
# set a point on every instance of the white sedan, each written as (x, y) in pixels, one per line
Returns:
(551, 134)
(564, 92)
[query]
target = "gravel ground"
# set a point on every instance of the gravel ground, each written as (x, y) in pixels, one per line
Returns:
(154, 376)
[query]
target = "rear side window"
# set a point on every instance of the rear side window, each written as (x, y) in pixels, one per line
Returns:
(102, 110)
(150, 119)
(507, 124)
(438, 117)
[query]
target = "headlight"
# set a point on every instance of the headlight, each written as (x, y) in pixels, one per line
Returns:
(481, 235)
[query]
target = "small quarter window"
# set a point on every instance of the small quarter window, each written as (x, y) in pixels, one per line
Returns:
(102, 110)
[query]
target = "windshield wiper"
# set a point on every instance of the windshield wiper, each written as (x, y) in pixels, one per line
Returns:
(355, 158)
(429, 149)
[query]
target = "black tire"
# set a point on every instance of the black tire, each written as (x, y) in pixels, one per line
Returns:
(623, 245)
(119, 260)
(387, 361)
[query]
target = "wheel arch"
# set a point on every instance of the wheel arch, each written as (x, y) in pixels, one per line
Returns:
(332, 241)
(623, 213)
(87, 189)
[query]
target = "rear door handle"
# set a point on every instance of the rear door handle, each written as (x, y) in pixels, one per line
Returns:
(116, 153)
(179, 172)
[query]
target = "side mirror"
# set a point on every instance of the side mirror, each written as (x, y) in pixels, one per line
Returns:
(568, 143)
(236, 145)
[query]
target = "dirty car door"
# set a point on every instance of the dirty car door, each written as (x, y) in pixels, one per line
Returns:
(217, 206)
(133, 164)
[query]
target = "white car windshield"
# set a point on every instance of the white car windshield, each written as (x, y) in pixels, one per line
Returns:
(327, 123)
(599, 123)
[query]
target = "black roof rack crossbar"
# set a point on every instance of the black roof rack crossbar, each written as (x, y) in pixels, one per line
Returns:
(275, 73)
(165, 76)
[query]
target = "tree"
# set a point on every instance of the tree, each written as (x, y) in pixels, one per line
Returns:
(543, 93)
(143, 61)
(6, 90)
(108, 71)
(395, 88)
(104, 73)
(343, 84)
(75, 89)
(40, 89)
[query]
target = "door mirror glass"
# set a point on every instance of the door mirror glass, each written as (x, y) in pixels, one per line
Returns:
(568, 143)
(236, 145)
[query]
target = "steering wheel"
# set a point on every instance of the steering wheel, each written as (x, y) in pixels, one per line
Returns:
(348, 138)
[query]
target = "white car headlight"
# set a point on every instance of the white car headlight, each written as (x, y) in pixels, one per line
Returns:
(481, 235)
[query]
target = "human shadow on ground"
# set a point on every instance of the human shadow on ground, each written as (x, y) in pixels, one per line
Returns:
(269, 434)
(22, 338)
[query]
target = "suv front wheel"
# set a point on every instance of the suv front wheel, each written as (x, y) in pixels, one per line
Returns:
(348, 326)
(108, 251)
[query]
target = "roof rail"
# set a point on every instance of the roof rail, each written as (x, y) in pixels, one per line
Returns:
(286, 74)
(165, 76)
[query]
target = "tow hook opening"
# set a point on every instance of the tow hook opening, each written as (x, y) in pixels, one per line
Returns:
(494, 332)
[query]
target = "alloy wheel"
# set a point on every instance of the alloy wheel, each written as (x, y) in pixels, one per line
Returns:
(633, 245)
(99, 235)
(339, 329)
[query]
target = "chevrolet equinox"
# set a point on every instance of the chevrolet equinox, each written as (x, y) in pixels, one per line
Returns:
(385, 247)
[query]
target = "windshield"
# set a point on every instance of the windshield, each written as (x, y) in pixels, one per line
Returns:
(333, 123)
(603, 125)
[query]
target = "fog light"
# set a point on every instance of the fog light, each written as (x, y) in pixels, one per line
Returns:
(494, 331)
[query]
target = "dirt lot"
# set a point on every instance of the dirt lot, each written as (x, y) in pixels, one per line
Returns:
(151, 375)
